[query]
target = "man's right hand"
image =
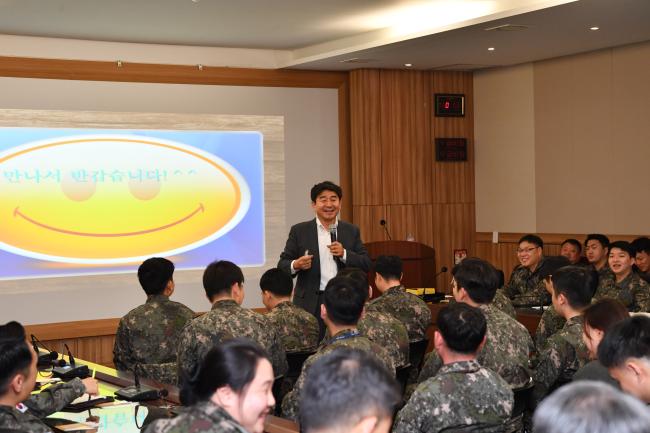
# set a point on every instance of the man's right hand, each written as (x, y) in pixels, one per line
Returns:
(303, 263)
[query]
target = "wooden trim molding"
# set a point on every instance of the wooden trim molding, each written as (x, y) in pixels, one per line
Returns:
(548, 238)
(25, 67)
(77, 329)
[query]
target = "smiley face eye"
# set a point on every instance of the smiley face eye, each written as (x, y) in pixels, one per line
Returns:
(77, 190)
(144, 189)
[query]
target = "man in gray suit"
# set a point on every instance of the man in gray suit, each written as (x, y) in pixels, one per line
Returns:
(318, 248)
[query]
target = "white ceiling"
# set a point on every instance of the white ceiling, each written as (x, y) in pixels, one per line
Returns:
(446, 34)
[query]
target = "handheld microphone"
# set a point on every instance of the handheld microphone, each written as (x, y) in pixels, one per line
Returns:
(333, 233)
(67, 372)
(382, 222)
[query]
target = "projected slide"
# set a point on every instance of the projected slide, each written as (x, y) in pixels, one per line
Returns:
(83, 201)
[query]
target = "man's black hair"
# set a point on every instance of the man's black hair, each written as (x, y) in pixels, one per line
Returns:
(15, 356)
(623, 246)
(602, 239)
(389, 267)
(358, 276)
(219, 277)
(577, 284)
(576, 243)
(629, 338)
(641, 245)
(344, 387)
(462, 327)
(344, 300)
(317, 189)
(532, 239)
(154, 274)
(478, 277)
(277, 282)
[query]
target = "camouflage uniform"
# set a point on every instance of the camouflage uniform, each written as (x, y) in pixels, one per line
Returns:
(346, 338)
(412, 311)
(506, 350)
(462, 393)
(388, 332)
(227, 320)
(503, 303)
(297, 328)
(149, 334)
(526, 287)
(551, 322)
(563, 355)
(204, 417)
(632, 291)
(53, 399)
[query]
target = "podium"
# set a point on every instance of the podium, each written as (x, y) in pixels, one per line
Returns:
(419, 262)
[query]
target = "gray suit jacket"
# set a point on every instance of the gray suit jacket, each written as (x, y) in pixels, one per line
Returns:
(303, 236)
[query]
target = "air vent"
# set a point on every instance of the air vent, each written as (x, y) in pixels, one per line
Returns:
(357, 60)
(507, 28)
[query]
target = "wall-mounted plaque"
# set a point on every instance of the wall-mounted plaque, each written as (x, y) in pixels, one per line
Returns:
(449, 105)
(451, 149)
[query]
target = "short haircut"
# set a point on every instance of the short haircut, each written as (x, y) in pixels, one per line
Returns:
(15, 356)
(641, 245)
(577, 283)
(389, 267)
(629, 338)
(623, 246)
(154, 274)
(604, 314)
(277, 282)
(358, 276)
(532, 239)
(342, 388)
(590, 407)
(344, 300)
(317, 189)
(478, 277)
(602, 239)
(462, 327)
(231, 363)
(576, 243)
(552, 264)
(219, 277)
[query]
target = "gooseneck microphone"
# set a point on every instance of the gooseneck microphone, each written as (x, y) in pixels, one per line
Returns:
(46, 359)
(382, 222)
(442, 271)
(67, 372)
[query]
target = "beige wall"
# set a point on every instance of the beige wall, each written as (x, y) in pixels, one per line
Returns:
(310, 154)
(590, 144)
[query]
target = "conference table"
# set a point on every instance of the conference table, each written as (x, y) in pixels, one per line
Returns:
(126, 417)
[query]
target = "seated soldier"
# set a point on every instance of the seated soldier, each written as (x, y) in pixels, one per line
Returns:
(507, 342)
(572, 250)
(341, 310)
(525, 287)
(462, 392)
(597, 253)
(628, 288)
(412, 311)
(297, 328)
(223, 282)
(148, 335)
(501, 300)
(381, 328)
(625, 352)
(565, 352)
(550, 322)
(590, 407)
(348, 390)
(19, 411)
(642, 260)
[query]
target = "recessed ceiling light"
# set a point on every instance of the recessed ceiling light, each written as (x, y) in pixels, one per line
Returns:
(491, 49)
(408, 65)
(195, 1)
(594, 28)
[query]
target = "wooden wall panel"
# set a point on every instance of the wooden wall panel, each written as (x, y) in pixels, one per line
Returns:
(453, 182)
(367, 218)
(366, 166)
(451, 224)
(405, 137)
(413, 219)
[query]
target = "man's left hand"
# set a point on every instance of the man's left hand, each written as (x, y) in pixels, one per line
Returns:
(336, 248)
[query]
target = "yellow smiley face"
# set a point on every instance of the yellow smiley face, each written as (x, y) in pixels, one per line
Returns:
(115, 199)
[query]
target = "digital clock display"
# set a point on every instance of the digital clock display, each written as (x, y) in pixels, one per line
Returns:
(450, 105)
